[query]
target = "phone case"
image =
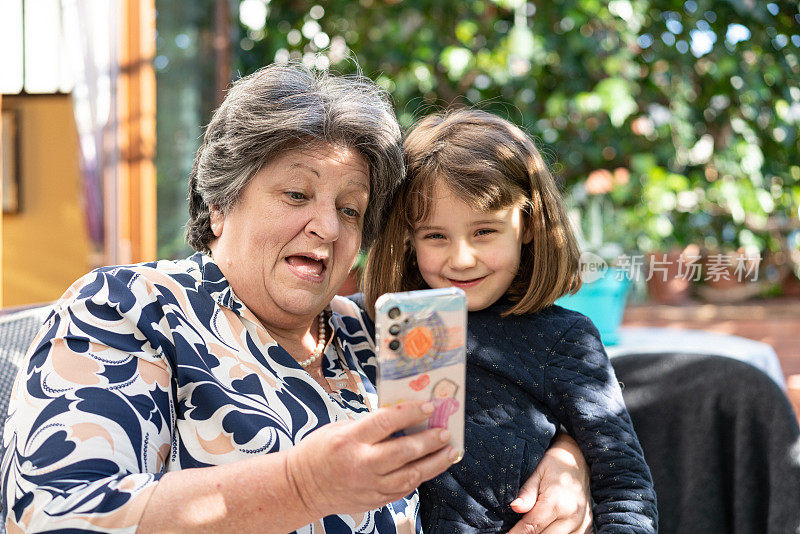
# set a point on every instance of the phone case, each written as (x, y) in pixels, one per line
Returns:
(421, 339)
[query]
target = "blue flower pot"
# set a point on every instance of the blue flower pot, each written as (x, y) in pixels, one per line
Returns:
(602, 301)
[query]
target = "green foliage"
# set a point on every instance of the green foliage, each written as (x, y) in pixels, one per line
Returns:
(704, 116)
(185, 96)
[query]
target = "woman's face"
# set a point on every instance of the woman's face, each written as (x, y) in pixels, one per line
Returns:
(291, 239)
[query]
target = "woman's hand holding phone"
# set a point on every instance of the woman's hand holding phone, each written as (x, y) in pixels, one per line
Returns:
(353, 466)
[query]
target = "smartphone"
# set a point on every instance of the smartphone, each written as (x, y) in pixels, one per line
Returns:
(421, 340)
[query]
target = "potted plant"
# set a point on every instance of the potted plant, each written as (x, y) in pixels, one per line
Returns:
(606, 277)
(670, 222)
(742, 231)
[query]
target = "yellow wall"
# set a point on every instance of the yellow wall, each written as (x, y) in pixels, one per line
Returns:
(46, 245)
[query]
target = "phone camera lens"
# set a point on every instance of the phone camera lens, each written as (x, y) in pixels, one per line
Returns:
(394, 329)
(394, 313)
(394, 344)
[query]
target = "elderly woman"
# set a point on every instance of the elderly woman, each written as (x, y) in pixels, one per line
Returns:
(231, 391)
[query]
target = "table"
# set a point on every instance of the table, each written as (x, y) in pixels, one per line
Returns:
(657, 340)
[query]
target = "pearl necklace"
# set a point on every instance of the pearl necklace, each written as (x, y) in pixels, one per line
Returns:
(321, 332)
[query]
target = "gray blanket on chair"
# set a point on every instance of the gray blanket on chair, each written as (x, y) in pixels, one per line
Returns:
(721, 440)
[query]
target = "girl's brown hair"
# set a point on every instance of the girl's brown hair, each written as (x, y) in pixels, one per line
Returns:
(490, 164)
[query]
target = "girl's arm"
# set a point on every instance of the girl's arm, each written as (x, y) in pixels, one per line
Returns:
(556, 499)
(584, 393)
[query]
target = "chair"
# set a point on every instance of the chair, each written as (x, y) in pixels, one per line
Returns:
(17, 330)
(721, 440)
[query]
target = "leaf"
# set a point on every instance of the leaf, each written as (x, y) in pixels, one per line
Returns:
(456, 60)
(615, 94)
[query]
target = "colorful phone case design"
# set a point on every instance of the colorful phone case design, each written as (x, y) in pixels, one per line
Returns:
(421, 340)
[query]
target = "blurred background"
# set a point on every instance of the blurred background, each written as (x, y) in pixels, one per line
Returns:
(671, 125)
(692, 106)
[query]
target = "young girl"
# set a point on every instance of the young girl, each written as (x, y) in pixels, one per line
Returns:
(480, 211)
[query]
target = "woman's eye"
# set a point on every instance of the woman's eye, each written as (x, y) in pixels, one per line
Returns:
(296, 195)
(351, 212)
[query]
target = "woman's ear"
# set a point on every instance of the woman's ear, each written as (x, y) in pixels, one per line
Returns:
(217, 220)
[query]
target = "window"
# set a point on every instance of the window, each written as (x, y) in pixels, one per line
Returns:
(36, 54)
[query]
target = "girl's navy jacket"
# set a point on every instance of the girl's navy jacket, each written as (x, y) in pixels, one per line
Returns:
(527, 376)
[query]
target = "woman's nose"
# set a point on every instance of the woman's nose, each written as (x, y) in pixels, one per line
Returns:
(325, 223)
(463, 256)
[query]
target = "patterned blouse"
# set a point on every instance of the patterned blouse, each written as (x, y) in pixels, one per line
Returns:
(157, 367)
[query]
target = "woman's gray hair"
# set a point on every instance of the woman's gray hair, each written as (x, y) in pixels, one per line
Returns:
(281, 107)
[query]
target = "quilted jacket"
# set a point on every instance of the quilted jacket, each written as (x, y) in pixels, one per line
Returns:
(526, 376)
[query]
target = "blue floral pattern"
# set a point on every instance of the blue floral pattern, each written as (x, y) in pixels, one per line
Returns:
(157, 367)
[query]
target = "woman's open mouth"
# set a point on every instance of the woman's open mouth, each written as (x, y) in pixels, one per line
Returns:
(307, 267)
(465, 284)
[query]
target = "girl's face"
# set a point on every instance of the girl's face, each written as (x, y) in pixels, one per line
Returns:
(476, 251)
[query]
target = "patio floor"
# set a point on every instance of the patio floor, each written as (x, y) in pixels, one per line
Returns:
(774, 321)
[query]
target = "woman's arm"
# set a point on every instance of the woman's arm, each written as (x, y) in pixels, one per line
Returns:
(89, 425)
(283, 491)
(92, 427)
(556, 499)
(86, 459)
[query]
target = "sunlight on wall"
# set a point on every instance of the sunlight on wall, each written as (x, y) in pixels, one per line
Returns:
(45, 245)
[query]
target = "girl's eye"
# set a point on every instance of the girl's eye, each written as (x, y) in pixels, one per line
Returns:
(296, 195)
(434, 235)
(485, 231)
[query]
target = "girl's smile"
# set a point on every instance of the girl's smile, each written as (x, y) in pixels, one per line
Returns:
(464, 284)
(476, 251)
